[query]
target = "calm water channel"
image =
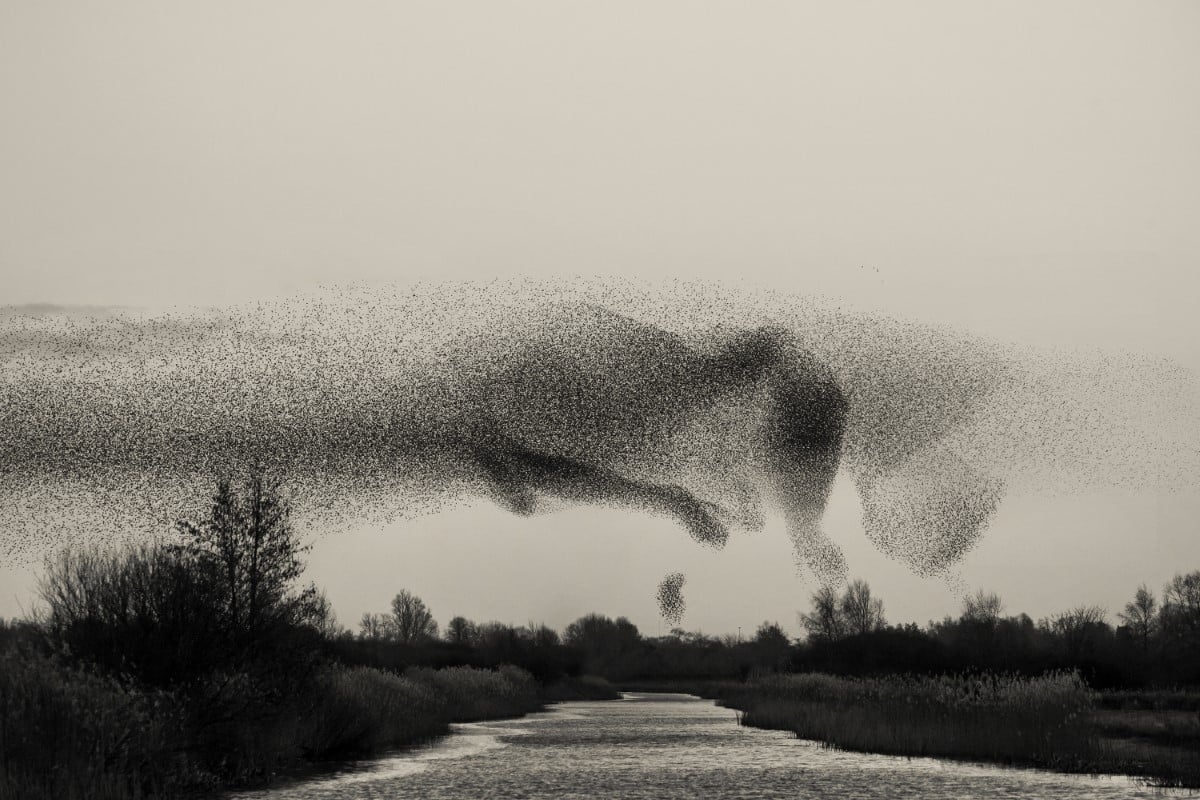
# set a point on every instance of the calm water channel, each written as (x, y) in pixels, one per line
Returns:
(665, 746)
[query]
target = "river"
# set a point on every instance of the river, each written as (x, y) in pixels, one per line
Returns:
(666, 746)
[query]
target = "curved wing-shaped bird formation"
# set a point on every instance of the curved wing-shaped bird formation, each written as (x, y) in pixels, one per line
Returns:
(703, 403)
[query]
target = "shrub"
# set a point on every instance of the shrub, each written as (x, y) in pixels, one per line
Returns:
(66, 733)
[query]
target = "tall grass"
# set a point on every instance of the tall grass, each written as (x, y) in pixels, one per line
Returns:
(364, 710)
(467, 693)
(1053, 721)
(66, 733)
(1040, 721)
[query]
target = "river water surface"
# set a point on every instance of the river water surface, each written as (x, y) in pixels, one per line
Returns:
(669, 746)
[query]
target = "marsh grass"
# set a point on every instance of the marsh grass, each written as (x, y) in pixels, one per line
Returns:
(467, 693)
(67, 733)
(995, 718)
(366, 710)
(1046, 721)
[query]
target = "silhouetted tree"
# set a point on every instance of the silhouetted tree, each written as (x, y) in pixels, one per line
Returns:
(222, 598)
(323, 620)
(1141, 617)
(460, 631)
(1180, 626)
(771, 646)
(143, 610)
(257, 555)
(982, 607)
(543, 635)
(1081, 631)
(824, 623)
(607, 646)
(375, 627)
(860, 612)
(412, 622)
(1181, 604)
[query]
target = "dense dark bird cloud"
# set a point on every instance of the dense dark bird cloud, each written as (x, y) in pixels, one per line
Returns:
(671, 604)
(705, 403)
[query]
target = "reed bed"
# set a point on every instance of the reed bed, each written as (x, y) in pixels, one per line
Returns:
(467, 693)
(1004, 719)
(66, 733)
(1049, 721)
(364, 710)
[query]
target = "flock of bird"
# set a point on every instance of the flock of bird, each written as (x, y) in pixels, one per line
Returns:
(707, 403)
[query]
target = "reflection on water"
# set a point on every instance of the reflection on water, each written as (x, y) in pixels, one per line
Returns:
(659, 746)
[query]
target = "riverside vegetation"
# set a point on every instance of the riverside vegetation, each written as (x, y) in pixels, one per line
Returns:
(1050, 721)
(1069, 692)
(202, 662)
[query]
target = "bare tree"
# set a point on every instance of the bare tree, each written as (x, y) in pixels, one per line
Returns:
(412, 621)
(375, 627)
(824, 623)
(1141, 616)
(1079, 628)
(982, 607)
(1181, 604)
(324, 620)
(861, 613)
(1078, 617)
(157, 613)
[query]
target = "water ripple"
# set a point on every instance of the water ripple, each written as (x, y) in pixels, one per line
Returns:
(658, 746)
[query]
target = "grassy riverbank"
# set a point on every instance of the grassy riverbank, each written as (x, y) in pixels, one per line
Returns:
(200, 662)
(1053, 722)
(69, 733)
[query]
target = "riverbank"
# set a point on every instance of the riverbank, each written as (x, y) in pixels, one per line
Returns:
(1051, 722)
(670, 747)
(68, 733)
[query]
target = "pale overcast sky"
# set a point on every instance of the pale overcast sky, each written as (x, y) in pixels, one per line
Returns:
(1023, 170)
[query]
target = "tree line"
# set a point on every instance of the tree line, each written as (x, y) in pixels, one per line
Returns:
(1155, 641)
